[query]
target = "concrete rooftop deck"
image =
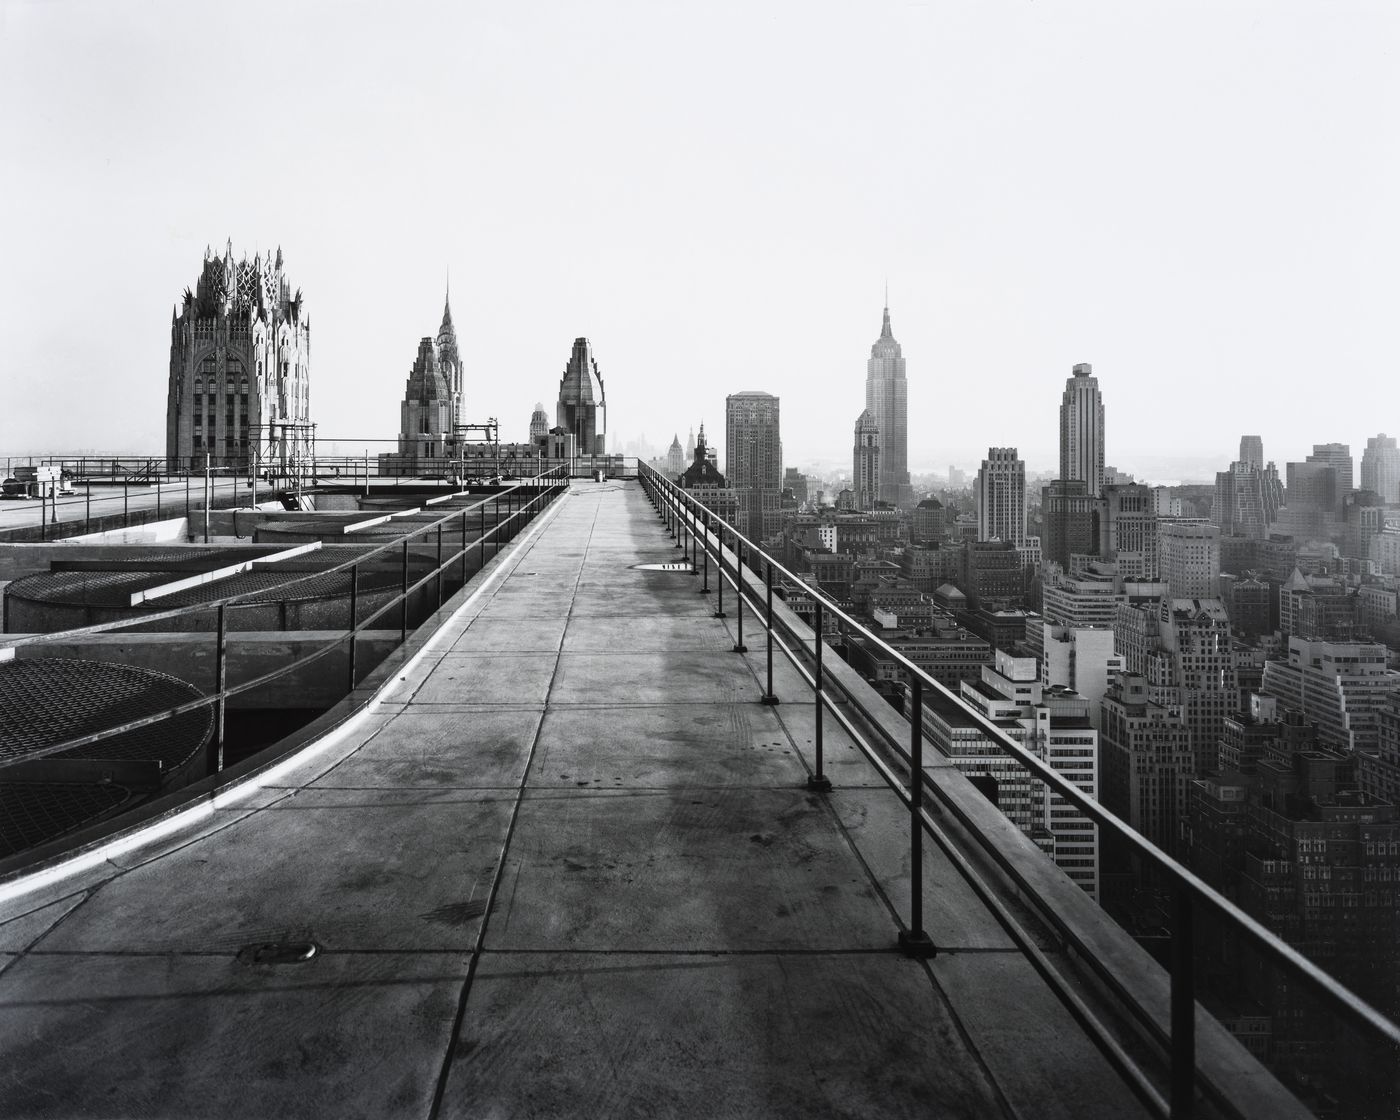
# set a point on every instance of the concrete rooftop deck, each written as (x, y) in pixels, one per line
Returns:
(565, 866)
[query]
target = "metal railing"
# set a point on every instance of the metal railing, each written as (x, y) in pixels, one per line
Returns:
(703, 536)
(511, 509)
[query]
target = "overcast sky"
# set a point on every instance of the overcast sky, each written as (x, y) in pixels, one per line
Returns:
(1199, 199)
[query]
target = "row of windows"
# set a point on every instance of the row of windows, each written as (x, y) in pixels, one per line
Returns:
(229, 385)
(200, 442)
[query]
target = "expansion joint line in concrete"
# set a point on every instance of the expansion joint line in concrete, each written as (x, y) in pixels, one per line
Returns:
(440, 1089)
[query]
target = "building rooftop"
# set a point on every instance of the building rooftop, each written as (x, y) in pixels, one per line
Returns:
(556, 859)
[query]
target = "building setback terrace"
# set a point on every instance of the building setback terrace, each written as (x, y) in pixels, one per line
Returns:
(561, 862)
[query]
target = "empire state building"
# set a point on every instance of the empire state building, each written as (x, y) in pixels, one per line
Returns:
(887, 400)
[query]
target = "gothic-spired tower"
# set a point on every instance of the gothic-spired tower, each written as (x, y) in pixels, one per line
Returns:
(1081, 430)
(580, 411)
(887, 400)
(865, 461)
(240, 369)
(425, 430)
(432, 398)
(449, 359)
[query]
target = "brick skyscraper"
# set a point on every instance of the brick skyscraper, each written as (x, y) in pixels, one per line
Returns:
(753, 460)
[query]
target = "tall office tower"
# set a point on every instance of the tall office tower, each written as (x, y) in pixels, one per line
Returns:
(426, 414)
(865, 462)
(1249, 603)
(675, 457)
(690, 447)
(1165, 502)
(1319, 608)
(581, 411)
(1314, 497)
(1082, 659)
(1085, 600)
(1340, 686)
(1380, 773)
(928, 522)
(1252, 452)
(1380, 468)
(753, 461)
(1363, 522)
(1071, 522)
(1189, 553)
(240, 368)
(1082, 430)
(1338, 457)
(1001, 497)
(1247, 500)
(1196, 645)
(1051, 722)
(1146, 761)
(887, 399)
(539, 424)
(1128, 531)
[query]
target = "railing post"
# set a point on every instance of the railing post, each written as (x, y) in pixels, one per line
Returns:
(719, 574)
(439, 565)
(694, 537)
(914, 941)
(354, 618)
(187, 497)
(818, 781)
(705, 555)
(769, 697)
(403, 594)
(216, 757)
(126, 487)
(739, 646)
(464, 548)
(87, 508)
(1183, 959)
(481, 540)
(158, 497)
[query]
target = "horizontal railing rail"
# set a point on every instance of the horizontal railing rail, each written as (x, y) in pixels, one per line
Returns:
(697, 527)
(521, 502)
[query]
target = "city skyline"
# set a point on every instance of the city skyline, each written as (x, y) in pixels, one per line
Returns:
(1061, 186)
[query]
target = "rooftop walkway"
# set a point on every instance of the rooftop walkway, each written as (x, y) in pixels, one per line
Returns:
(563, 866)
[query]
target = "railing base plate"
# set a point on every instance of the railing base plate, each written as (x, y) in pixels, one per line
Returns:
(819, 784)
(768, 699)
(916, 943)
